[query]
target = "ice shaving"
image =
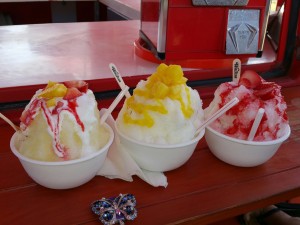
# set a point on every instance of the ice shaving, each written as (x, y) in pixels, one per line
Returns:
(256, 96)
(162, 109)
(61, 122)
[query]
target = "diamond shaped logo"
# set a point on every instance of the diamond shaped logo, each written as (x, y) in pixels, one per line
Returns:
(242, 32)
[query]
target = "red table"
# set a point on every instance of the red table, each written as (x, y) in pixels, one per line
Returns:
(204, 190)
(34, 54)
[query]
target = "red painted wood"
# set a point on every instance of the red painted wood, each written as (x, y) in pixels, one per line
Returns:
(203, 191)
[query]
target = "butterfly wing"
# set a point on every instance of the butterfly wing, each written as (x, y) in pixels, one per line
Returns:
(126, 204)
(105, 209)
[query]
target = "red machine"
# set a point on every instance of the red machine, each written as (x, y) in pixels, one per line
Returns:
(204, 29)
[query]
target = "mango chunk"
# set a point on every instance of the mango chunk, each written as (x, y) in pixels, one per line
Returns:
(161, 68)
(160, 90)
(50, 84)
(174, 75)
(51, 102)
(57, 90)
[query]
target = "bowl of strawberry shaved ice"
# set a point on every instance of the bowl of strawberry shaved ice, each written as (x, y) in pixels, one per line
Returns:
(61, 143)
(228, 137)
(158, 123)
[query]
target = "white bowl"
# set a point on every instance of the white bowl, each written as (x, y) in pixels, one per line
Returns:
(241, 152)
(159, 158)
(65, 174)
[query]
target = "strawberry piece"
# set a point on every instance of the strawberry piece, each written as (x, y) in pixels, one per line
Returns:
(72, 93)
(250, 79)
(267, 90)
(81, 85)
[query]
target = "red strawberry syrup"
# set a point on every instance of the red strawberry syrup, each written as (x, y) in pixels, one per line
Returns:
(262, 93)
(53, 120)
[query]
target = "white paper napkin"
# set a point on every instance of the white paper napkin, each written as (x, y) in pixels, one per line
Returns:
(119, 163)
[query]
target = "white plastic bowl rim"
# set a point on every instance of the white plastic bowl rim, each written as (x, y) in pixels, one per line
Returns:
(62, 163)
(276, 141)
(165, 146)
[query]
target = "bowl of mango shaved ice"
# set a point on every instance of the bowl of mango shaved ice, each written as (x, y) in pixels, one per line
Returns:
(157, 125)
(229, 136)
(61, 143)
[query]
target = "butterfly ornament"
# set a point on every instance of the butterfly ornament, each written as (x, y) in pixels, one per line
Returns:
(115, 209)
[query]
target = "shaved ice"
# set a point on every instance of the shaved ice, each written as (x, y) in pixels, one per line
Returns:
(61, 122)
(162, 109)
(254, 93)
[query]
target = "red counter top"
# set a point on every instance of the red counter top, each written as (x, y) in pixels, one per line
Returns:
(34, 54)
(31, 55)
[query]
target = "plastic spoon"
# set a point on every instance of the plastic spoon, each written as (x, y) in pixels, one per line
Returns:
(236, 70)
(256, 123)
(118, 78)
(15, 127)
(218, 113)
(114, 104)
